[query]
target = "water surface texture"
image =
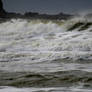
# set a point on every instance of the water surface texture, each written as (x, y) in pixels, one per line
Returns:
(46, 56)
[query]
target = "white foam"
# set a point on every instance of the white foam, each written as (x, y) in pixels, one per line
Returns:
(57, 89)
(26, 41)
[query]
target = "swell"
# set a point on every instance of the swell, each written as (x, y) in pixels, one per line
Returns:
(56, 79)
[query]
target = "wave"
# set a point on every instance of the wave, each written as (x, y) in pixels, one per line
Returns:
(56, 79)
(65, 39)
(50, 53)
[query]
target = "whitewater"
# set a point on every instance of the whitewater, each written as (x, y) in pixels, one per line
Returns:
(46, 55)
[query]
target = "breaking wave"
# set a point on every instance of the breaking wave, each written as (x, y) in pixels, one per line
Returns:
(46, 40)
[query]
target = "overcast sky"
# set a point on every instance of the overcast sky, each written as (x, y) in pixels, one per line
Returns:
(48, 6)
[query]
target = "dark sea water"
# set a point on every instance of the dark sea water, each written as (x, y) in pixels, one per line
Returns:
(46, 56)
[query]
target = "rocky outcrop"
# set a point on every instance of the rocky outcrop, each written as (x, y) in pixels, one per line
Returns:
(2, 11)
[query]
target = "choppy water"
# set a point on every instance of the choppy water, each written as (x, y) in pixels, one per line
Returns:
(46, 56)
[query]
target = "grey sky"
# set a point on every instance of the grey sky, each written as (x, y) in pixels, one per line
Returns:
(48, 6)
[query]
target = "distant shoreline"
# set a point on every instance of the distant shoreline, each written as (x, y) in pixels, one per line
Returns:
(35, 15)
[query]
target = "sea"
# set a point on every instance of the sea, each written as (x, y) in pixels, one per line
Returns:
(39, 55)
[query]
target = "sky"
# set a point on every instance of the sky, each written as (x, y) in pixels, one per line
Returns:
(48, 6)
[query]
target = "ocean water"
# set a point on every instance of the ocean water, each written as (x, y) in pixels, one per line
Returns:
(46, 56)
